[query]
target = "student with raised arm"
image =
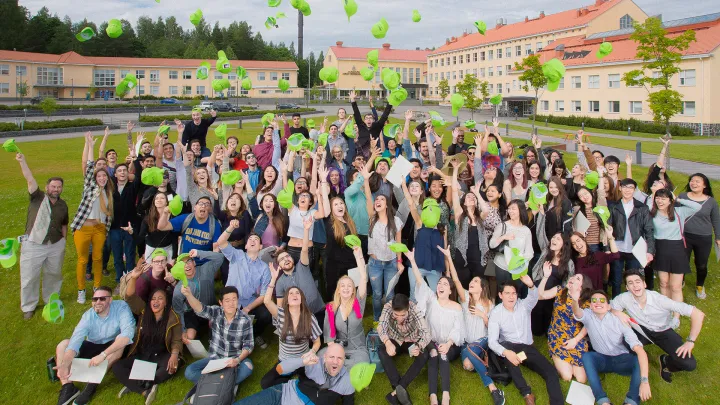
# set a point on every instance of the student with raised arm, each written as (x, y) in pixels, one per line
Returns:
(368, 127)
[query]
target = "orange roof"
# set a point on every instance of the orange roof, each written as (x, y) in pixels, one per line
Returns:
(405, 55)
(543, 24)
(73, 58)
(624, 49)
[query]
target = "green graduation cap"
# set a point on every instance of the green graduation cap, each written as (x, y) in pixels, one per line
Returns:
(241, 72)
(398, 247)
(274, 3)
(351, 241)
(592, 178)
(416, 16)
(267, 119)
(178, 270)
(436, 118)
(203, 71)
(231, 177)
(350, 8)
(176, 205)
(271, 22)
(163, 129)
(54, 310)
(8, 252)
(604, 214)
(295, 142)
(308, 145)
(554, 70)
(493, 149)
(10, 146)
(397, 96)
(470, 124)
(221, 132)
(283, 85)
(372, 58)
(361, 375)
(310, 123)
(517, 265)
(391, 131)
(380, 28)
(367, 73)
(329, 74)
(350, 131)
(152, 176)
(217, 85)
(481, 27)
(114, 28)
(86, 34)
(196, 17)
(496, 99)
(456, 101)
(390, 78)
(605, 49)
(537, 195)
(304, 8)
(285, 195)
(246, 83)
(130, 81)
(430, 214)
(322, 139)
(223, 64)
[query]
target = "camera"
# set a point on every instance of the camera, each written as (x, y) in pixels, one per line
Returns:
(342, 342)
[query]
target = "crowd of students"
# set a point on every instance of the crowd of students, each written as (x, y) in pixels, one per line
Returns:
(489, 259)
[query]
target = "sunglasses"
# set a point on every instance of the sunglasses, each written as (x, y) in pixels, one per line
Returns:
(600, 300)
(101, 299)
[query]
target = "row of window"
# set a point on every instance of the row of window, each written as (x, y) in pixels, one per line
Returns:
(406, 74)
(489, 54)
(613, 107)
(106, 77)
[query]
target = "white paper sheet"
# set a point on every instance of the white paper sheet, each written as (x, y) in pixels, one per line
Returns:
(197, 350)
(392, 283)
(81, 371)
(143, 370)
(215, 365)
(581, 223)
(354, 274)
(398, 171)
(580, 394)
(640, 251)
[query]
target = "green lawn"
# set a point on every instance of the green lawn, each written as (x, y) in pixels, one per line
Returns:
(541, 124)
(28, 344)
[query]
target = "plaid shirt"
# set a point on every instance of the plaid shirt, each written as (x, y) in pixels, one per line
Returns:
(228, 339)
(414, 329)
(91, 191)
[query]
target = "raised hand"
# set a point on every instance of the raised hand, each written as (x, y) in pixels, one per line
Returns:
(408, 115)
(446, 252)
(234, 224)
(547, 269)
(628, 159)
(495, 122)
(353, 96)
(308, 222)
(130, 125)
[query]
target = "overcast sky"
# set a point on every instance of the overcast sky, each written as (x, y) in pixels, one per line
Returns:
(328, 23)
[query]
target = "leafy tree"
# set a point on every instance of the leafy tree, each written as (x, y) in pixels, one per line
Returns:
(468, 89)
(13, 20)
(532, 79)
(484, 88)
(660, 54)
(444, 89)
(48, 106)
(22, 89)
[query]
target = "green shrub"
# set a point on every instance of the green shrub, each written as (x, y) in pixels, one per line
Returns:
(8, 126)
(159, 118)
(616, 125)
(80, 122)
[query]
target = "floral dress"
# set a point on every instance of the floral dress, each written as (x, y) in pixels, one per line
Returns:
(491, 221)
(563, 327)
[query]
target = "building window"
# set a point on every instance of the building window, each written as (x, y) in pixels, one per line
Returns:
(173, 74)
(217, 76)
(5, 70)
(244, 92)
(187, 90)
(442, 62)
(562, 83)
(21, 70)
(154, 76)
(538, 46)
(500, 88)
(576, 106)
(515, 85)
(594, 106)
(274, 76)
(498, 52)
(474, 72)
(490, 88)
(528, 49)
(232, 76)
(575, 82)
(141, 90)
(559, 105)
(594, 82)
(475, 57)
(461, 74)
(518, 50)
(4, 88)
(200, 90)
(462, 59)
(613, 106)
(454, 60)
(436, 76)
(442, 75)
(613, 81)
(454, 75)
(49, 76)
(687, 77)
(545, 105)
(688, 108)
(499, 70)
(490, 54)
(636, 107)
(173, 90)
(417, 75)
(508, 68)
(626, 21)
(490, 72)
(405, 75)
(507, 87)
(482, 72)
(508, 52)
(104, 77)
(448, 61)
(187, 74)
(482, 55)
(261, 76)
(140, 74)
(286, 76)
(155, 90)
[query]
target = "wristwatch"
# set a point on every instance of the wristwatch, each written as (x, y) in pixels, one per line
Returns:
(644, 380)
(690, 340)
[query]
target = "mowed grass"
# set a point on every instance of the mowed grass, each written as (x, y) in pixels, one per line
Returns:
(541, 124)
(28, 344)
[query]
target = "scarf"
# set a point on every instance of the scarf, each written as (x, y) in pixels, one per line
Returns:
(331, 316)
(42, 222)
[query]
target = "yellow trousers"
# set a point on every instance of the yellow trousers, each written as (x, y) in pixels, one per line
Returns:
(84, 237)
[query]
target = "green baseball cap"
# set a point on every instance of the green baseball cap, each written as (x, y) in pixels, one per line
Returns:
(537, 195)
(271, 22)
(456, 101)
(163, 129)
(496, 99)
(203, 71)
(367, 73)
(372, 58)
(416, 16)
(604, 214)
(322, 139)
(397, 96)
(246, 83)
(274, 3)
(8, 252)
(351, 241)
(592, 178)
(383, 159)
(390, 78)
(295, 142)
(176, 205)
(308, 144)
(196, 17)
(295, 3)
(152, 176)
(231, 177)
(241, 72)
(380, 28)
(10, 146)
(283, 85)
(398, 247)
(350, 130)
(178, 269)
(430, 214)
(158, 252)
(284, 196)
(470, 124)
(481, 27)
(267, 119)
(605, 49)
(130, 81)
(310, 123)
(517, 265)
(223, 64)
(304, 8)
(86, 34)
(350, 8)
(221, 132)
(54, 310)
(493, 148)
(329, 74)
(121, 89)
(436, 118)
(114, 28)
(554, 70)
(361, 375)
(218, 85)
(391, 131)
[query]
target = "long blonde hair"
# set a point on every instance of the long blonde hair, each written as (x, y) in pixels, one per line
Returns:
(338, 226)
(337, 301)
(208, 183)
(107, 192)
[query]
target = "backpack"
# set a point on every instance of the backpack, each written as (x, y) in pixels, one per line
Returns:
(188, 220)
(496, 369)
(373, 343)
(216, 388)
(124, 282)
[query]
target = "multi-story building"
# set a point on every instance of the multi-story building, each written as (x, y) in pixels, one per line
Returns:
(71, 75)
(411, 64)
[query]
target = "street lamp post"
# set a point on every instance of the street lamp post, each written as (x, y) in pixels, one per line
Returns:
(138, 96)
(72, 92)
(307, 103)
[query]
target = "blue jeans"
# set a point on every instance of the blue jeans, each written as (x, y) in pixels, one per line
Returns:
(268, 396)
(122, 243)
(625, 262)
(477, 364)
(624, 364)
(381, 272)
(193, 371)
(432, 277)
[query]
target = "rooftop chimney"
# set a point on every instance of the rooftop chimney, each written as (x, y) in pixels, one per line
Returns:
(599, 3)
(339, 44)
(386, 46)
(527, 19)
(499, 23)
(542, 14)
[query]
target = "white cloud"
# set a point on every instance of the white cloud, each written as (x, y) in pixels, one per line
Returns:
(328, 23)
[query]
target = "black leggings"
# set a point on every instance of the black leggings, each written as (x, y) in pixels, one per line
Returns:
(122, 369)
(436, 363)
(701, 245)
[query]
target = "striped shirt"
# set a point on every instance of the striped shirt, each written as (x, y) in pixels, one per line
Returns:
(289, 348)
(593, 233)
(91, 192)
(228, 339)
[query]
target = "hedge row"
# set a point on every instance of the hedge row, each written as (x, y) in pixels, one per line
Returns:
(170, 118)
(30, 125)
(616, 125)
(85, 106)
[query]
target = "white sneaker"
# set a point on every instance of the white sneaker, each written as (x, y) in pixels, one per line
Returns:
(123, 391)
(700, 293)
(81, 297)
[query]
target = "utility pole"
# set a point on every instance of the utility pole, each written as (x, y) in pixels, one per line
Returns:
(300, 35)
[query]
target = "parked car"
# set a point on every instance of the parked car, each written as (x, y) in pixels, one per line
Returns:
(226, 107)
(206, 105)
(170, 101)
(288, 106)
(36, 100)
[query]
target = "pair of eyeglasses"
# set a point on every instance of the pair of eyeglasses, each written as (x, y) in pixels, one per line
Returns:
(596, 300)
(158, 261)
(101, 299)
(203, 204)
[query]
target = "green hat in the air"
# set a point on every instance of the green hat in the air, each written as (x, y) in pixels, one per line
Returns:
(493, 148)
(304, 8)
(605, 49)
(176, 205)
(390, 78)
(496, 99)
(308, 144)
(230, 177)
(367, 73)
(350, 131)
(10, 146)
(383, 159)
(456, 101)
(295, 4)
(158, 252)
(430, 214)
(86, 34)
(517, 265)
(351, 241)
(554, 70)
(592, 178)
(310, 123)
(322, 139)
(436, 118)
(416, 16)
(397, 247)
(241, 72)
(361, 375)
(54, 310)
(295, 142)
(537, 195)
(604, 214)
(130, 81)
(283, 85)
(223, 64)
(397, 96)
(246, 83)
(163, 129)
(178, 270)
(196, 17)
(380, 28)
(274, 3)
(121, 89)
(220, 84)
(203, 71)
(267, 119)
(329, 74)
(350, 8)
(284, 196)
(152, 176)
(221, 132)
(481, 27)
(372, 58)
(271, 22)
(114, 28)
(8, 252)
(391, 131)
(470, 124)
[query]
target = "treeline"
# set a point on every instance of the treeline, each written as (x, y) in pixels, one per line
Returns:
(162, 38)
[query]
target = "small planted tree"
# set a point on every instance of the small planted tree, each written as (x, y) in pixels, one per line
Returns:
(468, 89)
(22, 90)
(48, 106)
(484, 90)
(444, 89)
(532, 79)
